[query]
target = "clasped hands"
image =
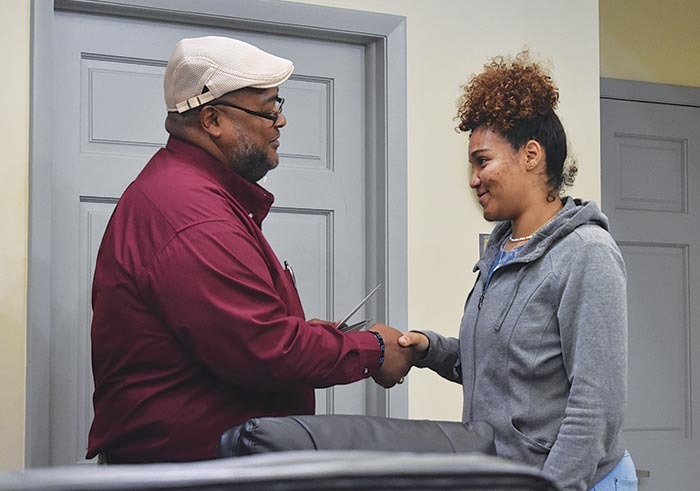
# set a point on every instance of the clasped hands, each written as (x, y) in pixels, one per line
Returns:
(401, 351)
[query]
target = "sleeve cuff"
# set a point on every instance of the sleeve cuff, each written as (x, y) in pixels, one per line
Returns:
(431, 355)
(370, 352)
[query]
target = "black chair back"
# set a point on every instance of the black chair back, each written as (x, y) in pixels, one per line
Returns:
(349, 432)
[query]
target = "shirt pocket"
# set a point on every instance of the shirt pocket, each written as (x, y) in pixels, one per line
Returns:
(534, 445)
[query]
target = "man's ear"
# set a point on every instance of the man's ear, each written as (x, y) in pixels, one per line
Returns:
(534, 154)
(210, 121)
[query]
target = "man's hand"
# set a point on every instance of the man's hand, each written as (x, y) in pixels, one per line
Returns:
(321, 322)
(397, 359)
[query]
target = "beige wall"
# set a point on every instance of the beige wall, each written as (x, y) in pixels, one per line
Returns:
(447, 41)
(14, 137)
(651, 41)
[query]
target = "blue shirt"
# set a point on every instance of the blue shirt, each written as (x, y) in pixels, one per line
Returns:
(502, 258)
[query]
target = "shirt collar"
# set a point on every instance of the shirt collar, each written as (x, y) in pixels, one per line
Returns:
(256, 200)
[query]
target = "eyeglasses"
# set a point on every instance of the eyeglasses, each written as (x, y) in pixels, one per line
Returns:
(279, 101)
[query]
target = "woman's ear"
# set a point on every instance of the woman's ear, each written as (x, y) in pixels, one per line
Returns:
(534, 154)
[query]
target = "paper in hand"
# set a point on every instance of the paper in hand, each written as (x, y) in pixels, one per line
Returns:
(342, 324)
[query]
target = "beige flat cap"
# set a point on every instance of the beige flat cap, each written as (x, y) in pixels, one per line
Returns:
(203, 69)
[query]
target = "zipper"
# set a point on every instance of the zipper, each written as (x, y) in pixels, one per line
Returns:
(486, 286)
(488, 282)
(476, 324)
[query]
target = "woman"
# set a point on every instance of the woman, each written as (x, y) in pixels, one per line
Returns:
(542, 348)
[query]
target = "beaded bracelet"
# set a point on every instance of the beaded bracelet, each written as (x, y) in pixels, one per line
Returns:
(381, 346)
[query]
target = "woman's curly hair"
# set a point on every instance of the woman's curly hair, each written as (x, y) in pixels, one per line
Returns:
(507, 92)
(517, 97)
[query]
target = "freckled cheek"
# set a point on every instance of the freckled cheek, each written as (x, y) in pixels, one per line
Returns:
(490, 179)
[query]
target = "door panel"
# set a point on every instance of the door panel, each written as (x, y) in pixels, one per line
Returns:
(658, 394)
(651, 193)
(94, 216)
(108, 121)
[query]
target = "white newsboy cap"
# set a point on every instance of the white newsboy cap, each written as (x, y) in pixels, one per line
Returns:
(220, 65)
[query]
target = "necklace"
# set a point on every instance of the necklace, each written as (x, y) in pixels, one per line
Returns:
(528, 237)
(520, 239)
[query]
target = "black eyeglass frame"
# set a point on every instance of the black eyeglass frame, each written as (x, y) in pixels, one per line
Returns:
(269, 116)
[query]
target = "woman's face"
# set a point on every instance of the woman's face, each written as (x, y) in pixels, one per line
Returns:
(499, 176)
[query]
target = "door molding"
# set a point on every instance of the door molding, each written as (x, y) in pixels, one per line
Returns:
(630, 90)
(384, 39)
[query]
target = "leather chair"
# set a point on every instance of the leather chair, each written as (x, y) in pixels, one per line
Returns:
(348, 432)
(294, 471)
(407, 456)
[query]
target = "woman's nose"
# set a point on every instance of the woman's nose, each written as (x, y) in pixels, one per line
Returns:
(474, 180)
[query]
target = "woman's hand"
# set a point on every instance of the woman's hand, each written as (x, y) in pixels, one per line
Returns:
(418, 341)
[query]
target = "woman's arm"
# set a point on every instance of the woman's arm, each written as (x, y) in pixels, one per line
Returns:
(439, 353)
(593, 328)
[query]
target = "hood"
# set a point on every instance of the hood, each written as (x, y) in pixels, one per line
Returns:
(574, 214)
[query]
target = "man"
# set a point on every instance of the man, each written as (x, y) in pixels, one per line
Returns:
(197, 327)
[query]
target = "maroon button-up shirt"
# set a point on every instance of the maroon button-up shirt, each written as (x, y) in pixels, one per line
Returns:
(197, 327)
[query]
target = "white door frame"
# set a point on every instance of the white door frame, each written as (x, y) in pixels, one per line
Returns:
(384, 39)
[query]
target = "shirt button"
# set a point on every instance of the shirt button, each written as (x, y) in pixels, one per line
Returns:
(366, 371)
(250, 215)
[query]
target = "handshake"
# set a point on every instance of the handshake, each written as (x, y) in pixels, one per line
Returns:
(401, 351)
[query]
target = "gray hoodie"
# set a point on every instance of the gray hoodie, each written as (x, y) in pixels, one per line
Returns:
(542, 352)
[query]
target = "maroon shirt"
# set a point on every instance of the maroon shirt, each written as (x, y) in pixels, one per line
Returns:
(197, 327)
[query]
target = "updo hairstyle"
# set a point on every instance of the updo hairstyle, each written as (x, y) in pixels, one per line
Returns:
(516, 97)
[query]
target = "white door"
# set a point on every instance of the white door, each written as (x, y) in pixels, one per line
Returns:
(108, 120)
(651, 193)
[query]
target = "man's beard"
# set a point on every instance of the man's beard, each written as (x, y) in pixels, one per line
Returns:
(251, 162)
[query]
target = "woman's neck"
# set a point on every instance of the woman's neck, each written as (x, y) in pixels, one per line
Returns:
(534, 218)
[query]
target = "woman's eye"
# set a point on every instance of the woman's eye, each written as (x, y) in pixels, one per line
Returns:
(479, 162)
